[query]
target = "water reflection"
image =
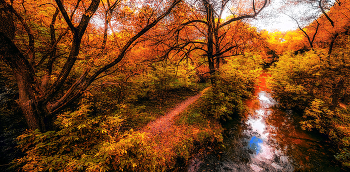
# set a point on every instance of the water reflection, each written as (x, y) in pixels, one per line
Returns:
(268, 139)
(266, 157)
(255, 144)
(306, 150)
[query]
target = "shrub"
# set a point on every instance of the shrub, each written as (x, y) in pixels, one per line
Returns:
(86, 142)
(315, 83)
(234, 83)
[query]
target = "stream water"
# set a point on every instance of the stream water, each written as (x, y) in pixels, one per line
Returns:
(268, 139)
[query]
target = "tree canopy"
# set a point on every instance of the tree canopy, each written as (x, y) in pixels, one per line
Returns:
(87, 75)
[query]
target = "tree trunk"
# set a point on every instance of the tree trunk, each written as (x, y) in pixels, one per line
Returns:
(35, 118)
(210, 40)
(217, 49)
(28, 88)
(337, 88)
(40, 102)
(334, 37)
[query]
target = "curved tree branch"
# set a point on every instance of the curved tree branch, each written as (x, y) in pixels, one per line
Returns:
(31, 53)
(245, 16)
(324, 13)
(75, 47)
(84, 82)
(65, 15)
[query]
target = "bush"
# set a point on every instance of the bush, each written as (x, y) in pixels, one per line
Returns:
(73, 147)
(316, 83)
(165, 76)
(86, 142)
(299, 79)
(234, 83)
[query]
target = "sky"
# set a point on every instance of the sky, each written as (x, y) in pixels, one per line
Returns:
(275, 18)
(272, 19)
(280, 23)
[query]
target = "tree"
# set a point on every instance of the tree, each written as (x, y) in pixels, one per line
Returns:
(211, 30)
(42, 93)
(330, 19)
(309, 39)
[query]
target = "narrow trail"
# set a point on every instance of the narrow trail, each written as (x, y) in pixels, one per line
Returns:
(165, 122)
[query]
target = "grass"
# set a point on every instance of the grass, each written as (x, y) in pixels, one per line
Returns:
(198, 131)
(190, 133)
(193, 116)
(150, 108)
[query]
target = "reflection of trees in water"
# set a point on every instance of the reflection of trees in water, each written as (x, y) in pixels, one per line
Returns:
(306, 150)
(233, 157)
(236, 154)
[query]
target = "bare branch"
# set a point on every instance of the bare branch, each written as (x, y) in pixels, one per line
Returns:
(317, 26)
(304, 32)
(75, 9)
(31, 54)
(74, 52)
(245, 16)
(65, 15)
(324, 13)
(86, 81)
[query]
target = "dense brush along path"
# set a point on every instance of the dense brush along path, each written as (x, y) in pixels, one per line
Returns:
(267, 139)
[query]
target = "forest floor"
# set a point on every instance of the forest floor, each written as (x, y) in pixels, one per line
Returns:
(169, 139)
(164, 123)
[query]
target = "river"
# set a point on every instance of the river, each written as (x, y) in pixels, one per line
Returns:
(267, 139)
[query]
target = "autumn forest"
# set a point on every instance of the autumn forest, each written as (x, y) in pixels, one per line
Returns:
(158, 85)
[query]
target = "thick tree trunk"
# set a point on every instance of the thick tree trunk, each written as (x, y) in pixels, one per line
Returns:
(33, 96)
(35, 117)
(40, 102)
(26, 81)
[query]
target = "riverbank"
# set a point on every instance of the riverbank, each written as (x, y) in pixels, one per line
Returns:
(267, 139)
(213, 158)
(203, 134)
(316, 86)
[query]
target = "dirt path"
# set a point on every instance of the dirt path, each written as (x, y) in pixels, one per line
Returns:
(163, 123)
